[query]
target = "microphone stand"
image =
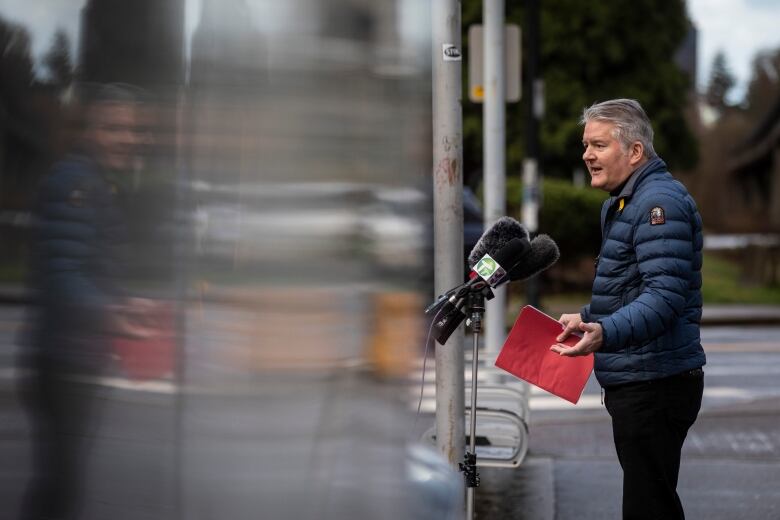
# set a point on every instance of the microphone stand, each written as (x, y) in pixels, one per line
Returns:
(476, 307)
(470, 296)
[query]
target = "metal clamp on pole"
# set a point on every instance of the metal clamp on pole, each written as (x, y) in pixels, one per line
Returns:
(470, 473)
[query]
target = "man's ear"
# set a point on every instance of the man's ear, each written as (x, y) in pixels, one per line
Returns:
(636, 153)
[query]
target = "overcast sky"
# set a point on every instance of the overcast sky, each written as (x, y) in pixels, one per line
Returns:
(738, 27)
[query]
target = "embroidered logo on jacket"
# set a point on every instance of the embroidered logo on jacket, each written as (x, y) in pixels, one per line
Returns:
(657, 216)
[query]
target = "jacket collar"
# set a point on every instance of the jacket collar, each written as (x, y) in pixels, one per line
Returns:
(653, 165)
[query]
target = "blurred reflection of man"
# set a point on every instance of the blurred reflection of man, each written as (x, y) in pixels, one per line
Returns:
(643, 318)
(78, 261)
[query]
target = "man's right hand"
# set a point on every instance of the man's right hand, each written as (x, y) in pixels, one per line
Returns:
(128, 326)
(571, 323)
(135, 318)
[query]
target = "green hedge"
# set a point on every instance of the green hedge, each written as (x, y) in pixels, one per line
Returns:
(570, 215)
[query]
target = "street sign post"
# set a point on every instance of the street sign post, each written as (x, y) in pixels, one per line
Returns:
(477, 65)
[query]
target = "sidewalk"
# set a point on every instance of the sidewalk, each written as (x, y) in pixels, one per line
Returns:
(740, 314)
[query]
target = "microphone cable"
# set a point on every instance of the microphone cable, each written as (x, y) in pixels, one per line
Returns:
(425, 361)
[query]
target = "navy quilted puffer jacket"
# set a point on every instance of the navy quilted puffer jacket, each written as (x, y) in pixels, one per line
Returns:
(647, 289)
(77, 262)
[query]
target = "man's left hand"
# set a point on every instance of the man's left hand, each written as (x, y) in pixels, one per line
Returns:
(590, 342)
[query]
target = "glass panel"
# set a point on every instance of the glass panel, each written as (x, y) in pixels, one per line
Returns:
(217, 213)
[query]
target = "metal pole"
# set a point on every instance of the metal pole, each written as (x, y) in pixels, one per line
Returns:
(494, 143)
(534, 110)
(448, 218)
(473, 422)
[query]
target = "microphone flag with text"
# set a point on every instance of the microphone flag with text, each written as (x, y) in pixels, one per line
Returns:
(503, 253)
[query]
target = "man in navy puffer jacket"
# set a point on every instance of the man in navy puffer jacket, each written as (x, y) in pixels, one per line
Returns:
(643, 318)
(78, 262)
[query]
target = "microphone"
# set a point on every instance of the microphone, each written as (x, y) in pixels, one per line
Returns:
(447, 320)
(493, 268)
(506, 241)
(542, 254)
(526, 259)
(496, 237)
(503, 254)
(488, 272)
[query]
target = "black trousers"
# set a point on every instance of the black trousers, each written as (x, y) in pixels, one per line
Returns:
(650, 420)
(63, 415)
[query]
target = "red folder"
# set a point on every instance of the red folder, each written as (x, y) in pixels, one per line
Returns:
(526, 354)
(149, 358)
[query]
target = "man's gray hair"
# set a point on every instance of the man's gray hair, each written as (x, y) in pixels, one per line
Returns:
(630, 120)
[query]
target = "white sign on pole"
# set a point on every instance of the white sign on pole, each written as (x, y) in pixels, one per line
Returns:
(450, 52)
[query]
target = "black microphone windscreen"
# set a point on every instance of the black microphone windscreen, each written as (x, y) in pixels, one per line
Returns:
(512, 252)
(497, 236)
(542, 255)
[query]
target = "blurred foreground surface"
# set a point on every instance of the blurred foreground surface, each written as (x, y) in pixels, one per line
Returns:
(273, 186)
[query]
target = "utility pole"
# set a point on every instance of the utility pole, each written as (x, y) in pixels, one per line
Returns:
(534, 110)
(494, 144)
(448, 218)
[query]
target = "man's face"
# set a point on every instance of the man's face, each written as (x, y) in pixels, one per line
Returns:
(114, 134)
(608, 163)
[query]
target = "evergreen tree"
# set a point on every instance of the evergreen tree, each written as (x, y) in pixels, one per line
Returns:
(57, 60)
(593, 51)
(16, 66)
(721, 82)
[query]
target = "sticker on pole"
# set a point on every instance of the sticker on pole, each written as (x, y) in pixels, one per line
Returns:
(489, 270)
(450, 52)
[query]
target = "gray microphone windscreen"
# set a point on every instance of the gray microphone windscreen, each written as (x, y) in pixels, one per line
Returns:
(497, 236)
(541, 256)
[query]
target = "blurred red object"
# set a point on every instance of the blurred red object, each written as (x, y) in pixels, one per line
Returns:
(153, 357)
